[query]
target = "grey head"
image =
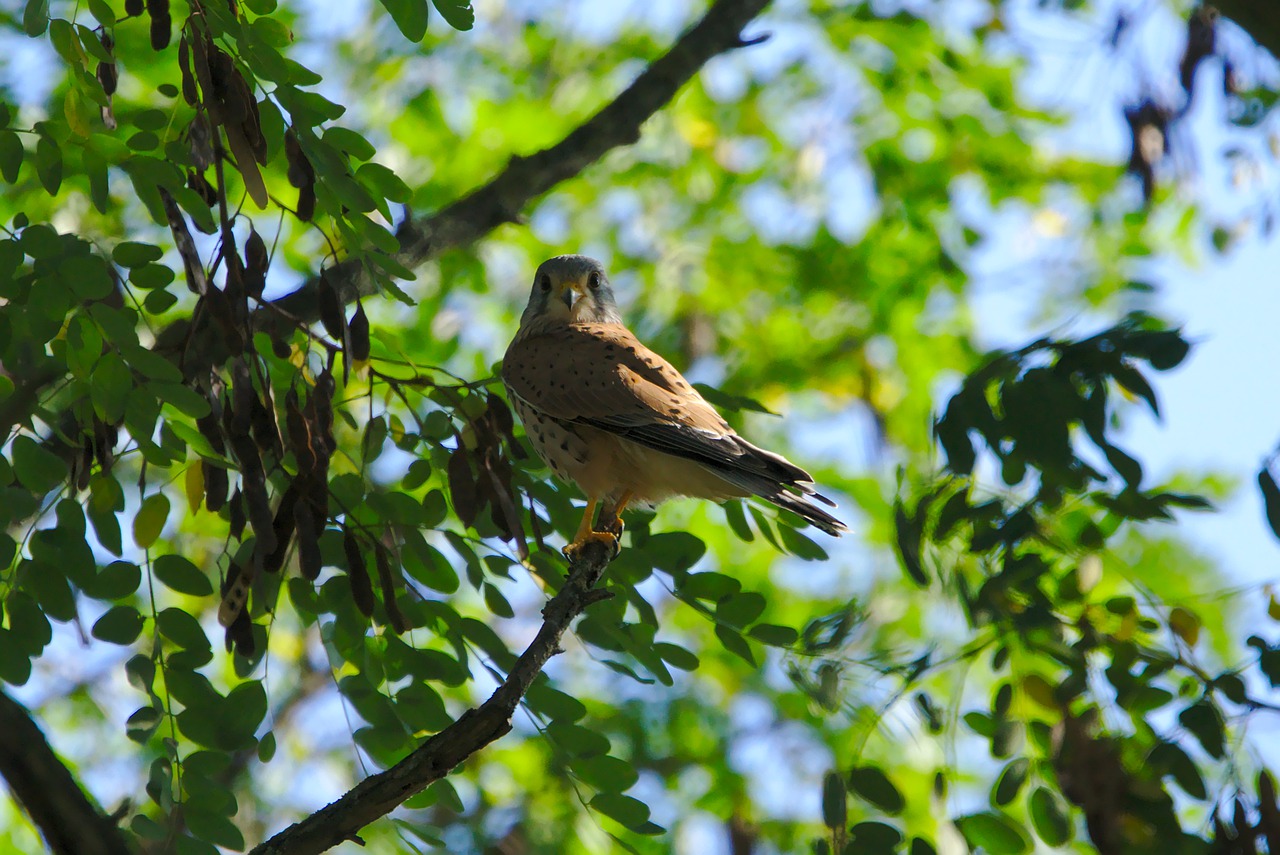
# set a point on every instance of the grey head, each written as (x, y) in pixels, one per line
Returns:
(571, 289)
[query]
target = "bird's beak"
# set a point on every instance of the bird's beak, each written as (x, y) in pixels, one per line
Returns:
(570, 295)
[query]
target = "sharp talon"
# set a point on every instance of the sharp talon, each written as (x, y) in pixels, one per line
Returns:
(606, 537)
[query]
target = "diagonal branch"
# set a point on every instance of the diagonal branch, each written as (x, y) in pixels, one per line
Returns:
(70, 823)
(379, 794)
(1257, 18)
(526, 178)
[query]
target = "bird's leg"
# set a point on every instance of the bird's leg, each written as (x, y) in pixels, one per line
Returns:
(612, 521)
(587, 534)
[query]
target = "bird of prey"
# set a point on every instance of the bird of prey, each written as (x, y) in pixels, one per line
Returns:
(610, 415)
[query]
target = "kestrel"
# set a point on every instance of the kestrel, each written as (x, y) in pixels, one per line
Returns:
(613, 417)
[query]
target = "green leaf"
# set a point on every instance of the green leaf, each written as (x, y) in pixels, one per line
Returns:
(181, 575)
(623, 809)
(725, 401)
(458, 13)
(48, 584)
(35, 17)
(182, 629)
(150, 520)
(607, 774)
(995, 833)
(49, 164)
(735, 644)
(11, 153)
(110, 386)
(676, 656)
(120, 625)
(410, 16)
(1049, 818)
(30, 627)
(874, 787)
(738, 610)
(871, 836)
(1010, 782)
(774, 635)
(1204, 722)
(37, 468)
(135, 254)
(212, 827)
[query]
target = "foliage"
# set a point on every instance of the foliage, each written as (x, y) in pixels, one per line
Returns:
(337, 487)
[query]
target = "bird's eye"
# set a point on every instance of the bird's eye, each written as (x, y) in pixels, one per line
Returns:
(545, 283)
(593, 280)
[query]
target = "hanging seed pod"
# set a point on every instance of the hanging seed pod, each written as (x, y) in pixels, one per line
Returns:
(255, 264)
(108, 74)
(282, 526)
(309, 560)
(189, 92)
(300, 439)
(358, 328)
(331, 316)
(357, 573)
(387, 582)
(161, 23)
(133, 8)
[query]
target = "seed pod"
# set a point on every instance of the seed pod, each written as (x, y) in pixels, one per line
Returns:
(357, 573)
(255, 264)
(235, 512)
(239, 636)
(133, 8)
(235, 593)
(197, 182)
(359, 329)
(300, 440)
(387, 583)
(282, 526)
(189, 92)
(306, 203)
(462, 487)
(309, 560)
(108, 76)
(161, 23)
(331, 316)
(200, 141)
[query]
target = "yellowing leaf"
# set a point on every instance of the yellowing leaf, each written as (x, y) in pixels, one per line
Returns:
(193, 484)
(150, 520)
(1185, 624)
(1037, 688)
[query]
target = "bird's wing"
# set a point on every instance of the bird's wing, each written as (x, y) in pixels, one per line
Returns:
(601, 375)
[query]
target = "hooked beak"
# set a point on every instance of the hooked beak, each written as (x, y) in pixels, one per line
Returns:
(570, 295)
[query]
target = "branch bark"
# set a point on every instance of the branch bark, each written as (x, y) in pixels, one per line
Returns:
(379, 794)
(526, 178)
(70, 823)
(1256, 17)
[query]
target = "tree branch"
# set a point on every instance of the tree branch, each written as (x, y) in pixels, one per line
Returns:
(1257, 18)
(526, 178)
(379, 794)
(70, 823)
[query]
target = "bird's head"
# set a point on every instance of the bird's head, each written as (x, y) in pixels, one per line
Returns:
(571, 289)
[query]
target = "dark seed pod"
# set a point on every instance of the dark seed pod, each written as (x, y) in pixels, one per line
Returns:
(331, 316)
(235, 511)
(108, 76)
(462, 486)
(357, 573)
(215, 486)
(161, 31)
(300, 439)
(358, 327)
(309, 560)
(283, 526)
(387, 582)
(189, 92)
(133, 8)
(255, 264)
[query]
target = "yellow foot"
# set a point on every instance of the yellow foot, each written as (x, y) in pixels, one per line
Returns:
(608, 538)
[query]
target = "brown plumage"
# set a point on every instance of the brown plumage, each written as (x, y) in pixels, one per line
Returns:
(618, 420)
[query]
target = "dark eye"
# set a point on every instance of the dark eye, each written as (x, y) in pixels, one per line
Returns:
(593, 280)
(545, 282)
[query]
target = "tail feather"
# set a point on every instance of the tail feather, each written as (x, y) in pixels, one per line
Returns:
(790, 493)
(811, 513)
